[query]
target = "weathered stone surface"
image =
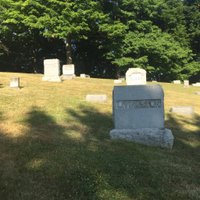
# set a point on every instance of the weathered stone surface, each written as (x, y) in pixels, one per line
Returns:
(138, 113)
(184, 110)
(138, 107)
(177, 82)
(52, 70)
(15, 82)
(96, 98)
(148, 136)
(136, 76)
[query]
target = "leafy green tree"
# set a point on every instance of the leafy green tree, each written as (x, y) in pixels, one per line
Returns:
(66, 20)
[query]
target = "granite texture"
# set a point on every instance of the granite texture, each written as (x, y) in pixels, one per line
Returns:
(148, 136)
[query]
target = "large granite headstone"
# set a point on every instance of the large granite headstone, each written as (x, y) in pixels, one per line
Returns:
(52, 70)
(68, 71)
(136, 76)
(138, 113)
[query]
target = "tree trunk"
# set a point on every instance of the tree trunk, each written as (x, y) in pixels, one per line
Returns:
(68, 50)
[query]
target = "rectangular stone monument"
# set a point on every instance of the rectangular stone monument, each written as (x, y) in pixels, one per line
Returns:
(52, 70)
(138, 113)
(136, 76)
(15, 82)
(96, 98)
(176, 81)
(68, 71)
(186, 83)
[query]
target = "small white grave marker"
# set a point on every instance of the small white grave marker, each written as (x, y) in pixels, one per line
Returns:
(186, 83)
(184, 110)
(176, 81)
(196, 84)
(68, 71)
(117, 81)
(84, 76)
(96, 98)
(136, 76)
(15, 82)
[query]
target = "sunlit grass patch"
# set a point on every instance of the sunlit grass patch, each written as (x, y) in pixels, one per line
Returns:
(55, 145)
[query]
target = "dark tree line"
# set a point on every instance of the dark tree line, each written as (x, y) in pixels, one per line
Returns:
(103, 37)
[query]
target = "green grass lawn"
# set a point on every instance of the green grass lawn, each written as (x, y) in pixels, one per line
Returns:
(55, 145)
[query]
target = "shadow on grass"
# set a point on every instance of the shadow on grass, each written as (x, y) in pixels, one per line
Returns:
(186, 138)
(77, 160)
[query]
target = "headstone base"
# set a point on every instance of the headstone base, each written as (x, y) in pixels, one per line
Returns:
(67, 77)
(148, 136)
(53, 79)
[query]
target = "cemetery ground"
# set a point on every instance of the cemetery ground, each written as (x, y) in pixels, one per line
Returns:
(55, 145)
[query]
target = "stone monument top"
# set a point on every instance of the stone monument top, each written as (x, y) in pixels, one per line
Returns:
(135, 76)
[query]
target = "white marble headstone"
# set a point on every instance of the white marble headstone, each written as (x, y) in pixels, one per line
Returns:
(52, 70)
(136, 76)
(176, 81)
(186, 83)
(68, 69)
(15, 83)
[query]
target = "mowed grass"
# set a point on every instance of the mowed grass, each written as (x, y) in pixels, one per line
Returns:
(55, 145)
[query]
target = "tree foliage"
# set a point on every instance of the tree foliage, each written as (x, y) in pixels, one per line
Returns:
(104, 36)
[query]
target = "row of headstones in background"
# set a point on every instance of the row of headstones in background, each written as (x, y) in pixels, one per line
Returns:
(186, 83)
(52, 70)
(196, 84)
(138, 111)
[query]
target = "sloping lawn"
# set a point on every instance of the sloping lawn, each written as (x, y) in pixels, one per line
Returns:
(55, 145)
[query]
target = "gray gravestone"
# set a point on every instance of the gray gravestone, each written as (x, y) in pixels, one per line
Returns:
(138, 113)
(68, 71)
(184, 110)
(136, 76)
(15, 83)
(52, 70)
(96, 97)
